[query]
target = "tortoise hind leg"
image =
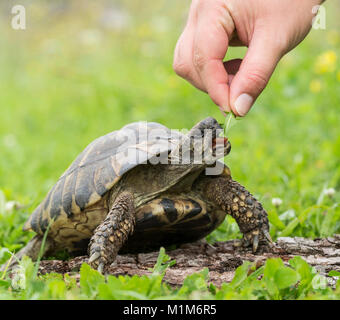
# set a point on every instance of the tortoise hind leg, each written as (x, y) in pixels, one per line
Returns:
(112, 233)
(32, 250)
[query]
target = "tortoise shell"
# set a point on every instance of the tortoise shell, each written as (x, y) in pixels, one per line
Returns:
(99, 167)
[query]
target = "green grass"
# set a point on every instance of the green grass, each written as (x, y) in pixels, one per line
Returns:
(70, 78)
(274, 281)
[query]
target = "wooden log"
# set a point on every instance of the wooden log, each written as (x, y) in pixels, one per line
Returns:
(221, 259)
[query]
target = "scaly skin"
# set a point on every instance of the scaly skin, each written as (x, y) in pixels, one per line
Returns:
(112, 233)
(243, 207)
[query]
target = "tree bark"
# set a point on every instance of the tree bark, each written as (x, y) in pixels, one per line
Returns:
(221, 259)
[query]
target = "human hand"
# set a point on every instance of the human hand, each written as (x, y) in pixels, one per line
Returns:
(269, 28)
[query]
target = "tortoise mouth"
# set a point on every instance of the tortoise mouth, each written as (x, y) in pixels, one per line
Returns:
(219, 141)
(221, 146)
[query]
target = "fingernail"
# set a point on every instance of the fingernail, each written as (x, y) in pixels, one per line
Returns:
(243, 103)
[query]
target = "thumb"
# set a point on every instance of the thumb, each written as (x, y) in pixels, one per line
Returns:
(255, 71)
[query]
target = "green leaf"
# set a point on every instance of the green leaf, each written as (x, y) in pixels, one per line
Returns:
(5, 284)
(304, 214)
(285, 277)
(275, 220)
(241, 274)
(57, 289)
(128, 294)
(290, 228)
(334, 273)
(302, 267)
(162, 263)
(270, 268)
(230, 121)
(195, 282)
(89, 280)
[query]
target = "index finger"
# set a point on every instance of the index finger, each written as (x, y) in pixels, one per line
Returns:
(210, 46)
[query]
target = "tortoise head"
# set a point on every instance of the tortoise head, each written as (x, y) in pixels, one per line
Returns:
(203, 145)
(205, 138)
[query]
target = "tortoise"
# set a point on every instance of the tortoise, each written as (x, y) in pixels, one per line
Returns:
(139, 188)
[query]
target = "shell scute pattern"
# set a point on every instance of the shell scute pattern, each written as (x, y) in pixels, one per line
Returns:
(97, 169)
(67, 201)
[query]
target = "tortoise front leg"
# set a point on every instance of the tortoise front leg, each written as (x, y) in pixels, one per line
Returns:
(243, 207)
(112, 233)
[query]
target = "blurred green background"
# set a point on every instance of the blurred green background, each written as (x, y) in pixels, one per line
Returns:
(83, 69)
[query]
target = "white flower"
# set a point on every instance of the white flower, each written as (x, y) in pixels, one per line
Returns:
(276, 202)
(330, 192)
(19, 279)
(10, 205)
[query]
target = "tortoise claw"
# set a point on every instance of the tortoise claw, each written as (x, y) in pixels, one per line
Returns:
(267, 235)
(253, 238)
(94, 257)
(101, 268)
(246, 241)
(95, 263)
(255, 242)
